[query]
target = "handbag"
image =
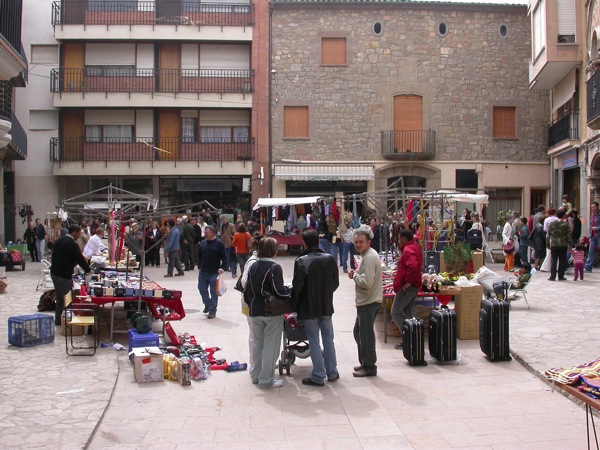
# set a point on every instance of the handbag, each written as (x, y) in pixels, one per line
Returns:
(509, 247)
(275, 306)
(238, 284)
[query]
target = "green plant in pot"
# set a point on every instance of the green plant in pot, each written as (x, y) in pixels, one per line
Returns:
(456, 258)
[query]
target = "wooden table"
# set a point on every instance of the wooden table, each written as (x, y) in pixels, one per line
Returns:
(589, 404)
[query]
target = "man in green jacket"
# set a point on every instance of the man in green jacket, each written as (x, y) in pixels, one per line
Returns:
(369, 295)
(559, 237)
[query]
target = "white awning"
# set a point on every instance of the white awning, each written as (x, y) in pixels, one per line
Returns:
(324, 172)
(564, 91)
(268, 201)
(454, 196)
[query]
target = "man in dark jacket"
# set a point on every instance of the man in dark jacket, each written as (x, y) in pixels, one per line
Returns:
(187, 246)
(66, 254)
(407, 280)
(212, 261)
(315, 280)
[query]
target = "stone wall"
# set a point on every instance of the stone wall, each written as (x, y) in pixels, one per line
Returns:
(461, 76)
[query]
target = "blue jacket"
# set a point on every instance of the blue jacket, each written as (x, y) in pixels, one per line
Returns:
(211, 256)
(172, 242)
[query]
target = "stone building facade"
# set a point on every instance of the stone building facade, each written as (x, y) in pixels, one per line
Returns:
(462, 63)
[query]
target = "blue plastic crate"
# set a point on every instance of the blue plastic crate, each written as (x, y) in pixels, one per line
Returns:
(142, 340)
(30, 330)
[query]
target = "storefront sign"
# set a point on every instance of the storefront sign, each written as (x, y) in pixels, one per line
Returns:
(569, 159)
(199, 185)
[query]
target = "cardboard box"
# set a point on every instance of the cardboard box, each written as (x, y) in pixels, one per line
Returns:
(467, 306)
(477, 260)
(148, 364)
(3, 284)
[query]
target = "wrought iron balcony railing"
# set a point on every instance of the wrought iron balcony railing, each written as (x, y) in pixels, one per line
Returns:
(408, 144)
(10, 23)
(593, 100)
(129, 79)
(5, 100)
(565, 128)
(159, 12)
(18, 137)
(146, 149)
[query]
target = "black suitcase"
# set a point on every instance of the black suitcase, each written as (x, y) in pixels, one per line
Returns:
(493, 329)
(442, 334)
(414, 342)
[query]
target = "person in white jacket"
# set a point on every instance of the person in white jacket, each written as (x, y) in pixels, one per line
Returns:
(508, 234)
(94, 245)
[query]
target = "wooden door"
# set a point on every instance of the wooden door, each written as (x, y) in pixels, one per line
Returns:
(408, 123)
(72, 135)
(169, 134)
(169, 62)
(73, 67)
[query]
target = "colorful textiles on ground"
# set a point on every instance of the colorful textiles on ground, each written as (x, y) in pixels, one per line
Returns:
(586, 377)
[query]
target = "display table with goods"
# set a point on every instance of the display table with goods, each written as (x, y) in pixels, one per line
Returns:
(13, 257)
(112, 287)
(583, 383)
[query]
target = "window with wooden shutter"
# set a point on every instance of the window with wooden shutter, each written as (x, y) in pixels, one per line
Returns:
(333, 51)
(295, 122)
(505, 124)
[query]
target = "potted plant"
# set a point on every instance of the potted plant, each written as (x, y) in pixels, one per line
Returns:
(456, 258)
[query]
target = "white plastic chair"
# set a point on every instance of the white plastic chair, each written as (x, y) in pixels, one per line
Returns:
(512, 293)
(45, 275)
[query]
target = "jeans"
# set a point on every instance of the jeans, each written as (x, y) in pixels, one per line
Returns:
(41, 248)
(173, 262)
(594, 243)
(324, 361)
(231, 260)
(559, 256)
(207, 286)
(335, 251)
(62, 286)
(325, 245)
(347, 248)
(524, 252)
(267, 344)
(403, 306)
(364, 335)
(241, 260)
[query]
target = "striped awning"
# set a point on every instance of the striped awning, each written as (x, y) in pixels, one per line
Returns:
(324, 172)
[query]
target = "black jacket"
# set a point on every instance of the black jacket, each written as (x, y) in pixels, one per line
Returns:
(316, 277)
(66, 254)
(259, 281)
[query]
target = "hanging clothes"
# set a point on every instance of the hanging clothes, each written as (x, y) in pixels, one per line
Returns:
(335, 212)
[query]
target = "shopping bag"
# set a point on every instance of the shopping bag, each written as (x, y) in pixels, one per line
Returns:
(221, 287)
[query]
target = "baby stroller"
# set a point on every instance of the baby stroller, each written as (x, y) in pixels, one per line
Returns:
(295, 343)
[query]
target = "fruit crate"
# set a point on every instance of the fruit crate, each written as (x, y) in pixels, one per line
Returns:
(30, 330)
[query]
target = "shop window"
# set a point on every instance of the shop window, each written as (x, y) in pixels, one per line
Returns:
(505, 126)
(333, 51)
(295, 122)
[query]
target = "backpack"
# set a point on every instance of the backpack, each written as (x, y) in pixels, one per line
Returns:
(47, 301)
(475, 238)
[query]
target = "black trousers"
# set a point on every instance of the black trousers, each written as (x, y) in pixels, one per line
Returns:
(62, 286)
(559, 257)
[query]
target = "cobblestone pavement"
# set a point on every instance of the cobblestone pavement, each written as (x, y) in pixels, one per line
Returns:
(53, 401)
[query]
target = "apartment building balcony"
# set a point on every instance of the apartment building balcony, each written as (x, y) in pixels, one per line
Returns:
(146, 149)
(593, 100)
(131, 19)
(13, 139)
(408, 144)
(563, 131)
(128, 86)
(12, 56)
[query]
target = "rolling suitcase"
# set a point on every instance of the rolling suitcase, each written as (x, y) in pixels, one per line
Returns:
(493, 329)
(413, 342)
(442, 334)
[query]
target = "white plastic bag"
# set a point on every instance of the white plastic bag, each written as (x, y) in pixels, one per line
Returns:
(221, 287)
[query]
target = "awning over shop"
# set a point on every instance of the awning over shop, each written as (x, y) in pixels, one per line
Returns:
(268, 201)
(323, 172)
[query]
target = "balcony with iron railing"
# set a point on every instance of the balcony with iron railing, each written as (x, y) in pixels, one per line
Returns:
(593, 99)
(18, 141)
(159, 12)
(146, 149)
(5, 100)
(109, 79)
(408, 144)
(564, 129)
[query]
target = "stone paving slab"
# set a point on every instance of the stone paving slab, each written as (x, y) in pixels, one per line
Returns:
(55, 401)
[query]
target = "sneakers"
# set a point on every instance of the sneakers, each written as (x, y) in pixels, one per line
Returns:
(399, 346)
(365, 373)
(275, 384)
(310, 382)
(211, 316)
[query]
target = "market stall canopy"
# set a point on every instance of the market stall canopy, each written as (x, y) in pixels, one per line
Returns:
(264, 202)
(454, 196)
(324, 172)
